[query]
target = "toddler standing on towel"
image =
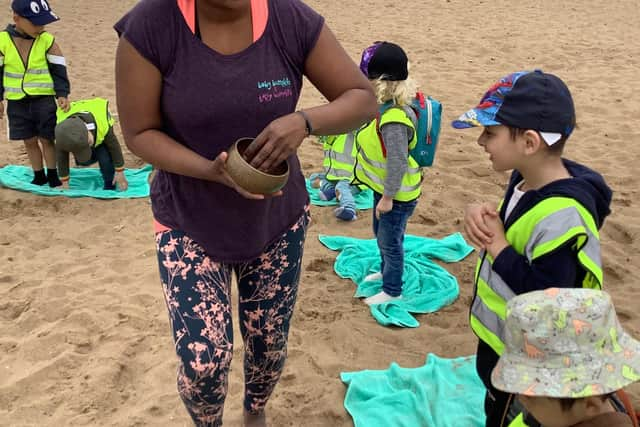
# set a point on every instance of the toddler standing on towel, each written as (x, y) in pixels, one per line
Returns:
(86, 130)
(383, 162)
(31, 90)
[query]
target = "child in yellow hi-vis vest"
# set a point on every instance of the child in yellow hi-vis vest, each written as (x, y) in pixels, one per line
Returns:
(86, 131)
(34, 75)
(383, 162)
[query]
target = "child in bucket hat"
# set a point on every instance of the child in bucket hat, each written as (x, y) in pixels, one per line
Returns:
(565, 354)
(545, 231)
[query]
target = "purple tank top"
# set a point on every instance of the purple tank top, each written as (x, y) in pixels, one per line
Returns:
(208, 101)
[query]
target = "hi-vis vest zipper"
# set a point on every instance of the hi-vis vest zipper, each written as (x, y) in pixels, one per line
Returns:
(33, 79)
(547, 226)
(99, 109)
(370, 168)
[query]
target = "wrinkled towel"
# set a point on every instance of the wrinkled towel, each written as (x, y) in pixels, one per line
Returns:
(442, 393)
(85, 182)
(364, 199)
(427, 286)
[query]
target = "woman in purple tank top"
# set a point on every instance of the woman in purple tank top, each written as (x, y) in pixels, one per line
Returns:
(192, 76)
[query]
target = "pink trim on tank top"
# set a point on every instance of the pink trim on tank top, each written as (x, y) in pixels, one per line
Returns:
(259, 15)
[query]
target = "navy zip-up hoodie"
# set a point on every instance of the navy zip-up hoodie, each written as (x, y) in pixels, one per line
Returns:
(559, 268)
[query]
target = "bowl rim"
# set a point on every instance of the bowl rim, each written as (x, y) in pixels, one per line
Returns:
(235, 147)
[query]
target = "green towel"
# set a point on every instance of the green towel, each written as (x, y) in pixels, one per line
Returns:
(85, 182)
(442, 393)
(364, 199)
(427, 286)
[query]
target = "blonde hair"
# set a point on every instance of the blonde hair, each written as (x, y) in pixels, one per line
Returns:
(399, 92)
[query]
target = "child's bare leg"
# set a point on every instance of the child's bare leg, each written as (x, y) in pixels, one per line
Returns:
(34, 153)
(35, 158)
(49, 151)
(254, 420)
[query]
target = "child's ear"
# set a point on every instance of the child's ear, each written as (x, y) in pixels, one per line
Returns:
(532, 142)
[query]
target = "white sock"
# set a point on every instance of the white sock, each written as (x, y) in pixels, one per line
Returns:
(380, 298)
(373, 277)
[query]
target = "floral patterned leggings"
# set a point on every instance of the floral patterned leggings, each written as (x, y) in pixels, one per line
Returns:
(197, 292)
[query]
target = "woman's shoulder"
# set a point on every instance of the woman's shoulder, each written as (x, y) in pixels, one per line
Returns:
(154, 13)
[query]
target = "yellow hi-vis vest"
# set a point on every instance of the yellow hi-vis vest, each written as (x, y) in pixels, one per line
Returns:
(339, 156)
(34, 79)
(544, 228)
(98, 108)
(370, 168)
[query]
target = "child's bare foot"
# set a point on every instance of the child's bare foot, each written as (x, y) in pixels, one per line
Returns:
(255, 420)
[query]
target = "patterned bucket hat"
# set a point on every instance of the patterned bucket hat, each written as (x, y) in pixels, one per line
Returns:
(565, 343)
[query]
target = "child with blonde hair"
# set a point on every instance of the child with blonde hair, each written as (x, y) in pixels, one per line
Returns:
(383, 162)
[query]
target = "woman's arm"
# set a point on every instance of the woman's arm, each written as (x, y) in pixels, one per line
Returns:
(138, 89)
(351, 103)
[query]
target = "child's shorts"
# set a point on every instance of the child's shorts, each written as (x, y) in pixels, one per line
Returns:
(32, 116)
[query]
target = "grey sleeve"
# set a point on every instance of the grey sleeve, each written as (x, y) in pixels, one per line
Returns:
(112, 144)
(396, 138)
(62, 160)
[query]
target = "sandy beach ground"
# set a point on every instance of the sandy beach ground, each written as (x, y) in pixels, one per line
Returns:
(84, 336)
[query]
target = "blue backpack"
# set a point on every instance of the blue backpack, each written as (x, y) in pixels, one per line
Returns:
(429, 113)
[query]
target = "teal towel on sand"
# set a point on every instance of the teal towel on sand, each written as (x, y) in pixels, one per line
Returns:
(85, 182)
(427, 286)
(442, 393)
(364, 199)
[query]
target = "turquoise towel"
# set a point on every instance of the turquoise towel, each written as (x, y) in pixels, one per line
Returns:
(364, 199)
(85, 182)
(427, 286)
(442, 393)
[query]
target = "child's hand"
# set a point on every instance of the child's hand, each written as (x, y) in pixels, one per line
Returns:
(63, 103)
(384, 205)
(496, 228)
(65, 184)
(121, 181)
(478, 233)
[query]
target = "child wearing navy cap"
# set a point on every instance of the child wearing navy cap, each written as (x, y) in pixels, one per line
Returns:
(544, 233)
(34, 75)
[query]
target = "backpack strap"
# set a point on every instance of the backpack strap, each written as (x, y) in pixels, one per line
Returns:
(624, 399)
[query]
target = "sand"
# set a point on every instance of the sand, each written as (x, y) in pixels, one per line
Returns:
(85, 338)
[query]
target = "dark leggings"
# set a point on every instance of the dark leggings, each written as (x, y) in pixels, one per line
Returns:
(197, 292)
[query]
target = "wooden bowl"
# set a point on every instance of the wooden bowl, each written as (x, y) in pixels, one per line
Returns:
(251, 179)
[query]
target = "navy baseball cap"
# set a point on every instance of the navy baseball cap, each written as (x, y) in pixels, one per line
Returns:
(385, 61)
(526, 100)
(37, 11)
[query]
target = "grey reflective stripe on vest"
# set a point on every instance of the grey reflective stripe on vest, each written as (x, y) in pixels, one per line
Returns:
(482, 312)
(13, 75)
(45, 85)
(13, 89)
(375, 179)
(381, 165)
(37, 71)
(341, 157)
(340, 173)
(488, 318)
(557, 224)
